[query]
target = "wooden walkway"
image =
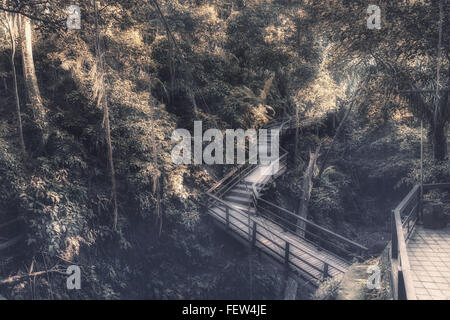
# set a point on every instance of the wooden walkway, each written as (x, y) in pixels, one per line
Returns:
(420, 257)
(429, 257)
(234, 207)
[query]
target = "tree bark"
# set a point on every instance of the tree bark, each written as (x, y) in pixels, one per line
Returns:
(307, 185)
(296, 133)
(38, 112)
(439, 140)
(11, 25)
(102, 101)
(438, 130)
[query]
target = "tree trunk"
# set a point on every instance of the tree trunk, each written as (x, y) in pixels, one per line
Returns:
(441, 112)
(103, 102)
(38, 112)
(296, 133)
(11, 25)
(439, 141)
(306, 191)
(439, 125)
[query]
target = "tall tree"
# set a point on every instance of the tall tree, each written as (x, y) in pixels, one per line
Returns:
(9, 21)
(38, 111)
(403, 55)
(102, 101)
(307, 185)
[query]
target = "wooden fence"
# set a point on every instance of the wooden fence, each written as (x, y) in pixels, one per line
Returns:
(404, 219)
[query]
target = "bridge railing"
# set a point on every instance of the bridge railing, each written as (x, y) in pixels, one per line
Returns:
(231, 179)
(258, 234)
(404, 219)
(234, 176)
(402, 283)
(309, 231)
(323, 238)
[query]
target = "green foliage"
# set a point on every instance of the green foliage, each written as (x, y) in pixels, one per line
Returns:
(57, 213)
(328, 198)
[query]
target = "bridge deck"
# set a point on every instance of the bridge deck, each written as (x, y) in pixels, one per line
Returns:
(304, 256)
(429, 256)
(234, 210)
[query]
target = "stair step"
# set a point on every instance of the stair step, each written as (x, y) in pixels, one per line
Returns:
(247, 185)
(238, 200)
(244, 208)
(240, 193)
(221, 211)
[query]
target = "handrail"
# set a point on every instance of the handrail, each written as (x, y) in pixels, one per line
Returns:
(406, 200)
(309, 222)
(254, 222)
(255, 195)
(400, 267)
(317, 240)
(240, 167)
(228, 175)
(224, 187)
(403, 285)
(329, 232)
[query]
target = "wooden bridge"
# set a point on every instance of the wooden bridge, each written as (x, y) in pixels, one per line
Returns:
(309, 250)
(420, 258)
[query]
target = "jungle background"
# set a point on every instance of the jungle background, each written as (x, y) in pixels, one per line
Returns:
(87, 170)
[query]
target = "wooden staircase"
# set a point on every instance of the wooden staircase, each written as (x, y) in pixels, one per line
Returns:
(235, 204)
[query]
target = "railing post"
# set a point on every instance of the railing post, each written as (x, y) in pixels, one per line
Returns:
(394, 240)
(325, 270)
(227, 216)
(401, 286)
(286, 254)
(419, 207)
(254, 233)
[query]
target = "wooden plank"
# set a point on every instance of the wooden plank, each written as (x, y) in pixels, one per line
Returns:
(409, 197)
(403, 256)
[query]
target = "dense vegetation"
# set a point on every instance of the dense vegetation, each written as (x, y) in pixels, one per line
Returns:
(93, 183)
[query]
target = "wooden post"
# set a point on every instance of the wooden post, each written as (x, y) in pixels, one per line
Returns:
(394, 248)
(407, 227)
(401, 286)
(286, 254)
(254, 234)
(325, 270)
